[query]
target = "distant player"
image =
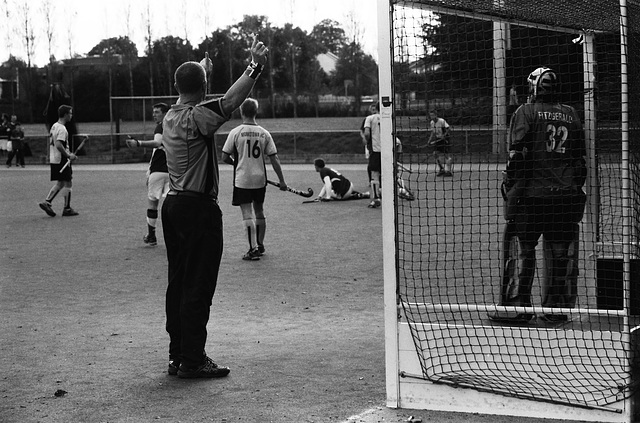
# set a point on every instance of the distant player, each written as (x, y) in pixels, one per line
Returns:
(60, 158)
(246, 148)
(440, 140)
(336, 186)
(372, 136)
(543, 197)
(157, 174)
(403, 188)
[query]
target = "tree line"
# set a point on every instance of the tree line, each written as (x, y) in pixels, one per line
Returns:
(291, 85)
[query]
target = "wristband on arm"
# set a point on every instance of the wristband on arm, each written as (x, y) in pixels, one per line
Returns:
(254, 70)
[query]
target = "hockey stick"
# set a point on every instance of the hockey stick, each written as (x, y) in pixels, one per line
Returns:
(66, 165)
(406, 169)
(315, 200)
(306, 194)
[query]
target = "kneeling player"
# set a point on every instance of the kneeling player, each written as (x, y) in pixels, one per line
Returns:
(336, 186)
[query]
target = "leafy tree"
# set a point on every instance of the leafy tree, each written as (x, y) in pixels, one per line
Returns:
(115, 46)
(167, 54)
(329, 36)
(462, 49)
(357, 66)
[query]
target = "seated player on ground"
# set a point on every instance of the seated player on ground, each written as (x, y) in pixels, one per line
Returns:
(336, 186)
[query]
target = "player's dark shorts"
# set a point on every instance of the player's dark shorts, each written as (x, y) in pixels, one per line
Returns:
(66, 174)
(375, 162)
(244, 196)
(442, 147)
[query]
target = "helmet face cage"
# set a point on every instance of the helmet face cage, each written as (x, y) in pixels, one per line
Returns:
(542, 81)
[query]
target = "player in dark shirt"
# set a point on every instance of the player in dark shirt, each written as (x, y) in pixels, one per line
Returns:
(157, 175)
(336, 186)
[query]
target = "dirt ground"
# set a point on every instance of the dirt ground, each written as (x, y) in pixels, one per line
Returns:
(82, 305)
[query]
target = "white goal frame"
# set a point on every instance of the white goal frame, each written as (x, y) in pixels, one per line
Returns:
(405, 387)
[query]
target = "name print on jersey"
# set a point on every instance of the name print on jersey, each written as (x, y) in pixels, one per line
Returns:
(555, 116)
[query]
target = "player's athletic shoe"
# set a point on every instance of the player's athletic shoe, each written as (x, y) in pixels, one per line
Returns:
(406, 194)
(251, 255)
(441, 172)
(447, 173)
(174, 365)
(150, 239)
(510, 316)
(554, 318)
(208, 369)
(47, 208)
(374, 204)
(261, 250)
(69, 212)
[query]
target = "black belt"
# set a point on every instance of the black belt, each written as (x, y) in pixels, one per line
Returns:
(193, 194)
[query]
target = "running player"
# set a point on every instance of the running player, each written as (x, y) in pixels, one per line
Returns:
(245, 148)
(543, 197)
(157, 174)
(336, 186)
(60, 158)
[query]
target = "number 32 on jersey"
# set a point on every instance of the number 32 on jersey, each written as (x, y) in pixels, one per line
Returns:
(557, 135)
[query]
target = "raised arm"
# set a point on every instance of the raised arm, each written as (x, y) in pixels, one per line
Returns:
(239, 91)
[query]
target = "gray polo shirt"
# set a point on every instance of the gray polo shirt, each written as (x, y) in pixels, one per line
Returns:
(188, 138)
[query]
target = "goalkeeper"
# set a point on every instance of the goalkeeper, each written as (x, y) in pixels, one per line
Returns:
(543, 196)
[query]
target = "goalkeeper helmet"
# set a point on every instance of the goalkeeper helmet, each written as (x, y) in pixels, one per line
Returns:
(542, 82)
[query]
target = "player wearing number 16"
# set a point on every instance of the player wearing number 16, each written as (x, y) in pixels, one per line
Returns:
(543, 196)
(246, 148)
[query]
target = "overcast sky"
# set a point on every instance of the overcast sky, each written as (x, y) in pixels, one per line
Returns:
(81, 24)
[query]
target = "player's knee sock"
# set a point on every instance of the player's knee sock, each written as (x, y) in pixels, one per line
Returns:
(152, 218)
(66, 192)
(375, 189)
(52, 193)
(375, 184)
(261, 228)
(250, 230)
(449, 161)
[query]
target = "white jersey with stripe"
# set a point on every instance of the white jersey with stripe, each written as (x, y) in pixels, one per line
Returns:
(58, 133)
(248, 144)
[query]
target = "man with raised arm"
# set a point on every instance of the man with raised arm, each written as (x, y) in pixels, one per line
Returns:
(192, 220)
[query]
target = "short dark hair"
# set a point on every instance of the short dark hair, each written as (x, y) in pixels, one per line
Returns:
(318, 163)
(249, 107)
(190, 77)
(162, 106)
(63, 110)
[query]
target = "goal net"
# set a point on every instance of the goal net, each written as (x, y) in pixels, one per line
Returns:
(469, 60)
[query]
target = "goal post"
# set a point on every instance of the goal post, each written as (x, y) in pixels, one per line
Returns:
(445, 252)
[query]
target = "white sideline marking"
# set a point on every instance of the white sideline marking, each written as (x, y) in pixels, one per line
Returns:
(358, 417)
